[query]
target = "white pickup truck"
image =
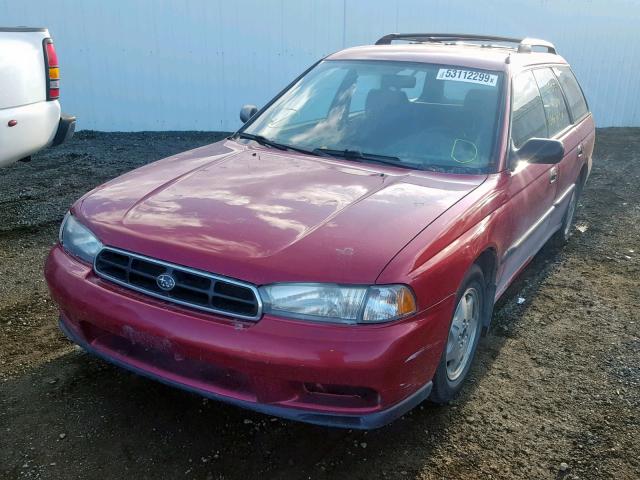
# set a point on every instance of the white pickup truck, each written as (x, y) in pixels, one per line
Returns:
(30, 115)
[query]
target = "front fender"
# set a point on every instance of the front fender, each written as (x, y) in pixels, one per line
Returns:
(435, 262)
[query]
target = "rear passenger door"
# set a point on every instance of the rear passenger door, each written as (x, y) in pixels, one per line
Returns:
(578, 143)
(561, 128)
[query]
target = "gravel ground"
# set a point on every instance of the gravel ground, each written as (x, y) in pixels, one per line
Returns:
(554, 394)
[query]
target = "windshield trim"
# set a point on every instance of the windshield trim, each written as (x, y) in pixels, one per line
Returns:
(494, 160)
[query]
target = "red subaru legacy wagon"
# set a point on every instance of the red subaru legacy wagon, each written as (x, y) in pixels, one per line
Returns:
(336, 259)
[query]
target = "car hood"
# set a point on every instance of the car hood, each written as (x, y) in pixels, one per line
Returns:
(264, 215)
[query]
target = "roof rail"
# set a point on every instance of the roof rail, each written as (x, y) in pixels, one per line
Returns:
(525, 45)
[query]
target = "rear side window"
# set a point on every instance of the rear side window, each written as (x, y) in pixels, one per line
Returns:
(555, 108)
(528, 118)
(573, 92)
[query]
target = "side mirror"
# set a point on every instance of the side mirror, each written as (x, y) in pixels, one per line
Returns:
(541, 150)
(247, 111)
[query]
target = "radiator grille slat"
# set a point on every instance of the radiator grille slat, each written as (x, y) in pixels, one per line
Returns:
(193, 288)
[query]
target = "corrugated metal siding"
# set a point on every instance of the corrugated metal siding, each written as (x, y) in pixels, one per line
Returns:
(191, 64)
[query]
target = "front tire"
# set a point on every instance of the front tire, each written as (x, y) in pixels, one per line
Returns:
(462, 341)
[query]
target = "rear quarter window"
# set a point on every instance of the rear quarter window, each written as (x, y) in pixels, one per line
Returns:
(573, 92)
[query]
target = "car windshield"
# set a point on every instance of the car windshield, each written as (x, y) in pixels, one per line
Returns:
(414, 115)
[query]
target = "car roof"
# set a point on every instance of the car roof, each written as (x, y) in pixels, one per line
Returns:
(462, 55)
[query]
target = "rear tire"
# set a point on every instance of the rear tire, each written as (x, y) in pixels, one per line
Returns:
(462, 341)
(561, 237)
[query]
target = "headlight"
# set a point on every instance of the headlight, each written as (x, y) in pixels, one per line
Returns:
(338, 303)
(78, 240)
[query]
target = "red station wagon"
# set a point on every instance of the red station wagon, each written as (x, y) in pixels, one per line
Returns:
(335, 260)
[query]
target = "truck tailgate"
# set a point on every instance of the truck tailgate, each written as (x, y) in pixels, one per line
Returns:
(28, 122)
(22, 70)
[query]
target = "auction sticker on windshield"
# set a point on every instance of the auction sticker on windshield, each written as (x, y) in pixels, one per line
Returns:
(471, 76)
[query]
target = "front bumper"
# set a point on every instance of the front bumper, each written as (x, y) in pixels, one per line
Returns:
(337, 375)
(365, 421)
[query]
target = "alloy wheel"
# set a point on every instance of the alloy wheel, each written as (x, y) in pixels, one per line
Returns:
(465, 323)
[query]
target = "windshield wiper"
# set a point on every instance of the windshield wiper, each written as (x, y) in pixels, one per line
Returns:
(262, 140)
(361, 156)
(281, 146)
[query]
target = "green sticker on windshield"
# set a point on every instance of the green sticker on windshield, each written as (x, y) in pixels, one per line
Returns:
(464, 151)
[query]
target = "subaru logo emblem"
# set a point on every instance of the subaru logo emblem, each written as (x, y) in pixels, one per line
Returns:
(166, 282)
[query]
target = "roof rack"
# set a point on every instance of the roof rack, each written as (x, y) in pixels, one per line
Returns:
(525, 45)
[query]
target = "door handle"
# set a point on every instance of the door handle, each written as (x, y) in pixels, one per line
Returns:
(580, 151)
(553, 175)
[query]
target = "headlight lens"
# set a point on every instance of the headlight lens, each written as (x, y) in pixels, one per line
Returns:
(338, 303)
(78, 240)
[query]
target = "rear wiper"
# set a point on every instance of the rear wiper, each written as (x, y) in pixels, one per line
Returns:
(360, 156)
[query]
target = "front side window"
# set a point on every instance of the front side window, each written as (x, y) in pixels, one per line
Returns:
(528, 117)
(573, 92)
(415, 115)
(555, 108)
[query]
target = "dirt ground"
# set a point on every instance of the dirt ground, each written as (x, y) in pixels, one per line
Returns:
(554, 394)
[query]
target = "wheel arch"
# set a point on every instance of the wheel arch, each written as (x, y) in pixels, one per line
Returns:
(487, 260)
(583, 175)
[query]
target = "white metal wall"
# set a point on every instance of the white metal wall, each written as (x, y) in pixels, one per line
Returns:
(190, 64)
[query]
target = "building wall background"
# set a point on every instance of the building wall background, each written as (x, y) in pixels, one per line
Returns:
(132, 65)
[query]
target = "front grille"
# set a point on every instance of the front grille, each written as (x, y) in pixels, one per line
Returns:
(185, 286)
